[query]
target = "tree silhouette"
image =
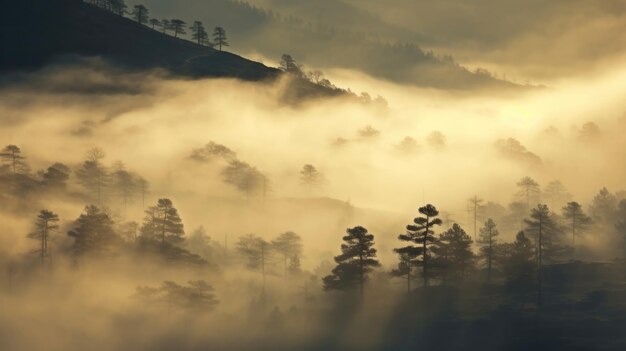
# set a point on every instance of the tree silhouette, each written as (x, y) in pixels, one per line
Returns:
(294, 266)
(422, 235)
(45, 225)
(144, 189)
(219, 37)
(125, 184)
(620, 225)
(578, 220)
(288, 244)
(487, 241)
(163, 224)
(93, 175)
(453, 256)
(198, 33)
(603, 206)
(93, 233)
(555, 194)
(256, 253)
(288, 64)
(178, 26)
(165, 25)
(529, 190)
(519, 267)
(12, 155)
(56, 176)
(404, 269)
(140, 14)
(547, 233)
(197, 296)
(155, 23)
(476, 208)
(244, 177)
(357, 259)
(211, 151)
(118, 7)
(310, 176)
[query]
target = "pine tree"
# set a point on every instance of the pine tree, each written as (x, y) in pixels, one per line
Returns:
(256, 253)
(93, 175)
(140, 14)
(487, 240)
(310, 176)
(555, 194)
(155, 23)
(476, 208)
(165, 25)
(519, 267)
(244, 177)
(294, 266)
(529, 190)
(178, 26)
(288, 244)
(357, 259)
(547, 235)
(603, 206)
(421, 236)
(94, 233)
(288, 64)
(163, 224)
(452, 254)
(56, 176)
(578, 221)
(12, 156)
(219, 37)
(198, 33)
(620, 225)
(118, 7)
(125, 185)
(45, 226)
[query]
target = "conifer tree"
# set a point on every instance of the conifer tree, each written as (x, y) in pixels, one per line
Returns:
(452, 254)
(45, 226)
(519, 267)
(198, 33)
(529, 191)
(93, 175)
(357, 259)
(547, 234)
(140, 14)
(487, 241)
(12, 156)
(178, 26)
(256, 252)
(163, 224)
(578, 221)
(289, 245)
(94, 233)
(219, 38)
(476, 208)
(421, 236)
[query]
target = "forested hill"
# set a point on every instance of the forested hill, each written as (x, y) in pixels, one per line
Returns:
(37, 32)
(40, 30)
(329, 34)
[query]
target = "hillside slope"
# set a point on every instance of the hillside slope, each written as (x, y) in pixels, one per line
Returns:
(312, 32)
(42, 30)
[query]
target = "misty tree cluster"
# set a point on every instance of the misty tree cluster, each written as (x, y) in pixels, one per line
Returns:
(432, 252)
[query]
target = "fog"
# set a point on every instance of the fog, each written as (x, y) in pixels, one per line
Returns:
(374, 177)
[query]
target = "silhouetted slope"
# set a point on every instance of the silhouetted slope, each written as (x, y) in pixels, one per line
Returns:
(44, 29)
(312, 32)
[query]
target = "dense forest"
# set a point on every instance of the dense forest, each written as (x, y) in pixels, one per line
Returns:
(158, 191)
(451, 272)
